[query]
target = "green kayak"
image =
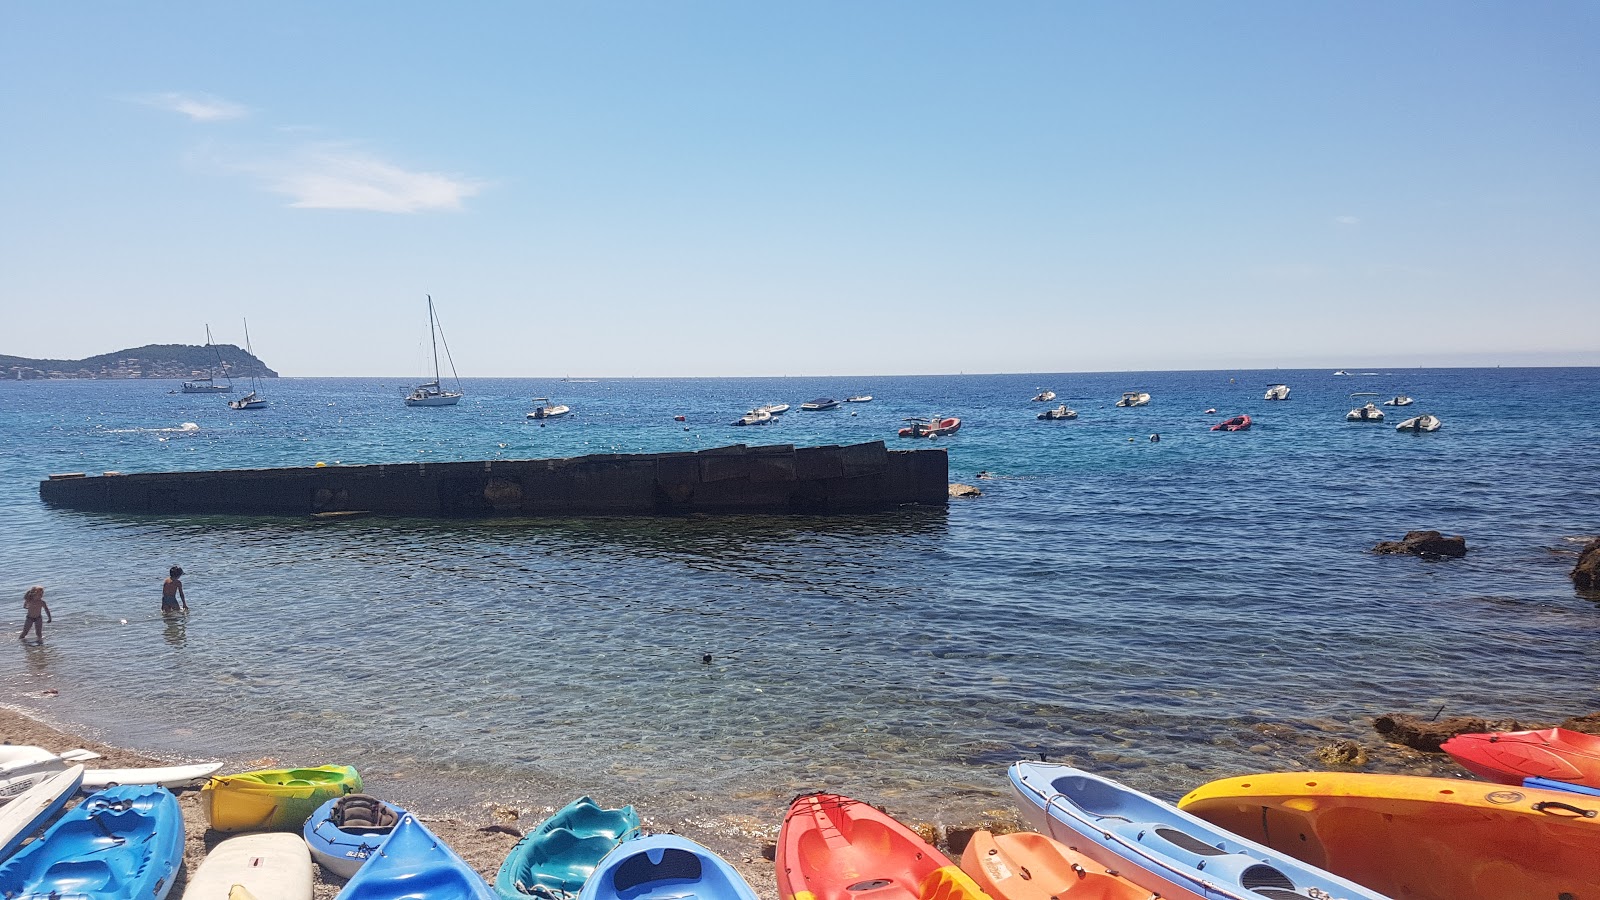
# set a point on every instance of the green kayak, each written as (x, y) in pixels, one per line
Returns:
(273, 799)
(557, 857)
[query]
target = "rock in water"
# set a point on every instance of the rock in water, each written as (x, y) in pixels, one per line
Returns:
(1588, 724)
(964, 490)
(1400, 728)
(1586, 574)
(1426, 544)
(1342, 753)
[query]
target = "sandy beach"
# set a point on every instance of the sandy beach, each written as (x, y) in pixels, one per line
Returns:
(482, 836)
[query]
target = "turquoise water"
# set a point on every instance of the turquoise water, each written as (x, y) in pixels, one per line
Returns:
(1141, 608)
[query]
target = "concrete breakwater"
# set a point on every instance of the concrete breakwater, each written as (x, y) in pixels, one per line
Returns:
(781, 479)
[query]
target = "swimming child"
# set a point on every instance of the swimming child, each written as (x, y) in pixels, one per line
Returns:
(38, 613)
(172, 591)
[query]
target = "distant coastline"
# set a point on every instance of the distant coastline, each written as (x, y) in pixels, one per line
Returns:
(150, 361)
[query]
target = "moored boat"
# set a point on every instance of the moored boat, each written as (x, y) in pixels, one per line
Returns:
(1026, 865)
(754, 417)
(252, 400)
(663, 867)
(934, 427)
(1134, 398)
(413, 864)
(208, 383)
(1417, 838)
(1044, 396)
(271, 866)
(548, 410)
(1276, 392)
(1424, 422)
(344, 832)
(773, 409)
(1059, 413)
(1159, 847)
(832, 847)
(1508, 757)
(859, 398)
(273, 799)
(1237, 423)
(558, 856)
(819, 404)
(123, 843)
(432, 393)
(1368, 413)
(1399, 400)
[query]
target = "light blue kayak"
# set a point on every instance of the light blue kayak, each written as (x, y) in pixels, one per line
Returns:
(557, 857)
(1160, 848)
(413, 864)
(664, 867)
(123, 843)
(344, 832)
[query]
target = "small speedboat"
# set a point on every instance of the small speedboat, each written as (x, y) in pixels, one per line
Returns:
(820, 403)
(934, 427)
(1510, 756)
(273, 799)
(775, 409)
(1044, 396)
(344, 832)
(1237, 423)
(548, 410)
(859, 398)
(1368, 413)
(1399, 400)
(1277, 392)
(754, 417)
(1057, 414)
(1160, 848)
(1424, 422)
(558, 856)
(830, 846)
(664, 867)
(1134, 398)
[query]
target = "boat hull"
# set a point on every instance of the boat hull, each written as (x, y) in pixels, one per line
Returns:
(1416, 838)
(1237, 423)
(1027, 865)
(268, 866)
(834, 848)
(415, 864)
(560, 854)
(437, 400)
(1508, 757)
(123, 843)
(344, 849)
(274, 799)
(663, 867)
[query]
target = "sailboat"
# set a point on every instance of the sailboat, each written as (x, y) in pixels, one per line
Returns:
(253, 399)
(431, 393)
(208, 385)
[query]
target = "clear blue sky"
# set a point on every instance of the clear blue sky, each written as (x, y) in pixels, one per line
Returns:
(699, 188)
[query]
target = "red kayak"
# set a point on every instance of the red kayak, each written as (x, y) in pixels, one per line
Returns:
(1510, 756)
(834, 848)
(1237, 423)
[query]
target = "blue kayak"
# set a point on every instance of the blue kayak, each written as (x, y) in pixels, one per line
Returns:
(1160, 848)
(343, 833)
(557, 857)
(664, 867)
(414, 863)
(1550, 784)
(123, 843)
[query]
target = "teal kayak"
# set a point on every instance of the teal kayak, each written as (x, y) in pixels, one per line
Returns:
(557, 857)
(124, 843)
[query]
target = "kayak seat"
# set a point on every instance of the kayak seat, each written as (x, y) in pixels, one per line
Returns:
(79, 876)
(1189, 842)
(362, 813)
(639, 871)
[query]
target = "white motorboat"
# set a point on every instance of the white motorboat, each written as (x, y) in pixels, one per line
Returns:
(859, 398)
(1368, 413)
(1399, 400)
(755, 417)
(820, 403)
(1057, 414)
(208, 384)
(1341, 372)
(1044, 397)
(1277, 392)
(548, 410)
(252, 400)
(1424, 422)
(774, 409)
(1134, 398)
(431, 393)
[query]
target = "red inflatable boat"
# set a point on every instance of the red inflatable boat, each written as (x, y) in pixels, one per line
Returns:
(1237, 423)
(931, 427)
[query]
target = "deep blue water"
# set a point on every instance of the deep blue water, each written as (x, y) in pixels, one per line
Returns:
(1132, 606)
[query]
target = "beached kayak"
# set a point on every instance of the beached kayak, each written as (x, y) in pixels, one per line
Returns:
(268, 866)
(413, 863)
(1417, 838)
(123, 843)
(344, 832)
(664, 867)
(1029, 866)
(558, 856)
(1510, 756)
(832, 847)
(1160, 848)
(273, 799)
(22, 766)
(36, 806)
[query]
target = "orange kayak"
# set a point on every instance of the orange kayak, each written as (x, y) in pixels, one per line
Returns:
(1030, 866)
(834, 848)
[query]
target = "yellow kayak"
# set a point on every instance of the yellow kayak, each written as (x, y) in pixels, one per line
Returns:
(273, 799)
(1417, 838)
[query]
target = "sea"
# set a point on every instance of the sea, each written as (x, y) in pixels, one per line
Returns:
(1164, 612)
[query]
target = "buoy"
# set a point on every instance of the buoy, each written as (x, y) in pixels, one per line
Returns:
(705, 659)
(321, 465)
(1155, 438)
(1211, 410)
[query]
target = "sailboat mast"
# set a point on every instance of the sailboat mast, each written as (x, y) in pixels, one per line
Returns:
(434, 337)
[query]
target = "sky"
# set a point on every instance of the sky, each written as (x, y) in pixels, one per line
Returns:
(778, 188)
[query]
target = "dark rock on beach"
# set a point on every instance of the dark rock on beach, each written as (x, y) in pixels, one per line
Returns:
(1586, 574)
(1426, 736)
(1426, 544)
(1588, 724)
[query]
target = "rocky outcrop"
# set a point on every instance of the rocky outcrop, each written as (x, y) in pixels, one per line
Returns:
(1413, 732)
(1586, 574)
(1342, 753)
(1426, 544)
(964, 490)
(1588, 724)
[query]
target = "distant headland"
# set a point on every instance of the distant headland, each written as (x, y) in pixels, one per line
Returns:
(149, 361)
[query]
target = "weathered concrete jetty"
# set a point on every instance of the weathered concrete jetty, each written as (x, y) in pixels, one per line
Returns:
(781, 479)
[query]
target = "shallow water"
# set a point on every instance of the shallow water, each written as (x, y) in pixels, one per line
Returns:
(1131, 606)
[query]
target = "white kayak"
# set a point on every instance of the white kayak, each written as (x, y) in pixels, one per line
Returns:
(36, 806)
(267, 866)
(22, 767)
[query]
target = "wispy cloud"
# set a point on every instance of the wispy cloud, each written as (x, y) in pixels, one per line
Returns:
(1346, 220)
(199, 107)
(330, 176)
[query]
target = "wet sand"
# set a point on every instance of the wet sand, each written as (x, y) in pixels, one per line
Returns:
(483, 836)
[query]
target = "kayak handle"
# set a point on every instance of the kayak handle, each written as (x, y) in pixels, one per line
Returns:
(1544, 805)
